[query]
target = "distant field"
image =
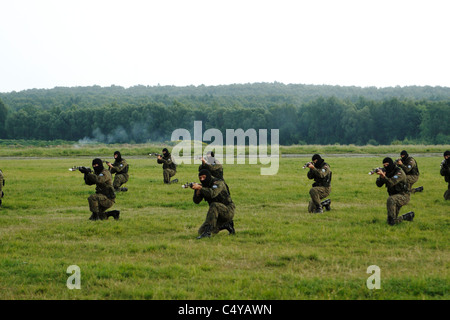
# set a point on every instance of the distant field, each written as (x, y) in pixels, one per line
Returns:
(280, 251)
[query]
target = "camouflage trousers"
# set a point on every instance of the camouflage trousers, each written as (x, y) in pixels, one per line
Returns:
(410, 180)
(98, 203)
(394, 204)
(167, 174)
(119, 180)
(218, 215)
(317, 194)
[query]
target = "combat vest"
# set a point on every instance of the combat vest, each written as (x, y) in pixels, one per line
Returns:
(401, 187)
(223, 197)
(325, 181)
(105, 188)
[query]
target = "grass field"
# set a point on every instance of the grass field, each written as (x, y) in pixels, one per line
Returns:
(280, 251)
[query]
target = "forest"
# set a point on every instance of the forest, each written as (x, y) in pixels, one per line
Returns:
(304, 114)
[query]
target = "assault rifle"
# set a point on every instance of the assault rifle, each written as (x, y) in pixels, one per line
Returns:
(188, 185)
(375, 170)
(155, 155)
(306, 165)
(81, 169)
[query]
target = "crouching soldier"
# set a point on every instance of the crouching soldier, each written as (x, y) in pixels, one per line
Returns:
(397, 187)
(321, 188)
(221, 208)
(104, 197)
(120, 168)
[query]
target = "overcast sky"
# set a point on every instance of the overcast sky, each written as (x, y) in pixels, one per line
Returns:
(379, 43)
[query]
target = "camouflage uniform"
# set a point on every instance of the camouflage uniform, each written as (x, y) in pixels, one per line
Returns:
(216, 169)
(221, 207)
(397, 188)
(120, 168)
(169, 167)
(2, 182)
(321, 187)
(104, 196)
(445, 172)
(409, 166)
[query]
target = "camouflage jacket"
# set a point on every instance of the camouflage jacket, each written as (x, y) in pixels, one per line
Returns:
(410, 167)
(167, 162)
(103, 182)
(217, 192)
(395, 182)
(321, 176)
(120, 167)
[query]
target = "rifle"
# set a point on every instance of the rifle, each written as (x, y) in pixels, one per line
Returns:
(188, 185)
(306, 165)
(155, 155)
(375, 170)
(81, 169)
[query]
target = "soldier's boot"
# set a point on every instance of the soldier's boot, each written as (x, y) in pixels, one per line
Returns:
(206, 232)
(94, 216)
(318, 209)
(326, 204)
(228, 226)
(408, 216)
(114, 213)
(174, 181)
(102, 216)
(390, 221)
(418, 189)
(0, 202)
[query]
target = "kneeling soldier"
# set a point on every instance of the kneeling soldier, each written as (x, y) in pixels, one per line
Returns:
(321, 188)
(104, 197)
(120, 168)
(221, 207)
(397, 187)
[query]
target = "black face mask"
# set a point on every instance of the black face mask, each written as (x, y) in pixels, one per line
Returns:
(391, 166)
(207, 182)
(119, 156)
(98, 169)
(319, 161)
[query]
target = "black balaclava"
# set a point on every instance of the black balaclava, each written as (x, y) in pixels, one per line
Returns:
(391, 165)
(319, 159)
(207, 182)
(404, 155)
(99, 168)
(166, 154)
(119, 156)
(447, 153)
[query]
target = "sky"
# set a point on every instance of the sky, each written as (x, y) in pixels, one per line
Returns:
(47, 44)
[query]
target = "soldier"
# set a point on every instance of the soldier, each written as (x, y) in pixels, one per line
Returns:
(221, 208)
(411, 169)
(321, 188)
(169, 166)
(397, 187)
(2, 183)
(120, 168)
(445, 172)
(104, 196)
(212, 165)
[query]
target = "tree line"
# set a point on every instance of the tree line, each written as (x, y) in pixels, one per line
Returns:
(323, 120)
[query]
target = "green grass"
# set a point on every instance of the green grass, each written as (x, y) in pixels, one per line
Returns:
(280, 251)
